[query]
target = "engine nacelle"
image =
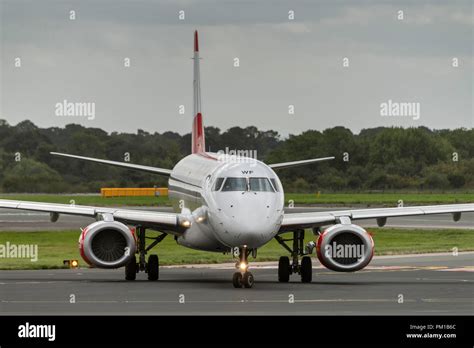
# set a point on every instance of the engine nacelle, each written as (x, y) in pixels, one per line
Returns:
(107, 244)
(345, 248)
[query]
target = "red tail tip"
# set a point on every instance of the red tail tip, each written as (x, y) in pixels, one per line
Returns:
(196, 43)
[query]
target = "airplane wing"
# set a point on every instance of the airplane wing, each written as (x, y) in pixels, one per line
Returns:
(298, 163)
(166, 222)
(316, 219)
(154, 170)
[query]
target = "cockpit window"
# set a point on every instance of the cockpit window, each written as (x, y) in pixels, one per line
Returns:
(260, 184)
(235, 184)
(218, 184)
(274, 183)
(245, 184)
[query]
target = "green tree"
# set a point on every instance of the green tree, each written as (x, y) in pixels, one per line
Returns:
(28, 175)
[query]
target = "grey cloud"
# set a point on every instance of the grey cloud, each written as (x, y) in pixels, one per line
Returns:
(282, 62)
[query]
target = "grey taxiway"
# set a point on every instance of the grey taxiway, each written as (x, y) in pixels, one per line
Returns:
(436, 284)
(415, 285)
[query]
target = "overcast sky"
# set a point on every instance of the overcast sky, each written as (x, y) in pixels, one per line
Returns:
(282, 62)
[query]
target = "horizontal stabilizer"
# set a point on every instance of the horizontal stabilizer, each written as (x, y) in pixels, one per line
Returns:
(148, 169)
(298, 163)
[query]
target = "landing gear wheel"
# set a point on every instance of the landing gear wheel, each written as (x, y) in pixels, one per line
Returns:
(284, 269)
(131, 269)
(306, 270)
(153, 267)
(237, 280)
(248, 280)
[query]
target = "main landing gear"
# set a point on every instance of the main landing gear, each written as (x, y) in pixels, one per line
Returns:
(243, 278)
(152, 267)
(285, 269)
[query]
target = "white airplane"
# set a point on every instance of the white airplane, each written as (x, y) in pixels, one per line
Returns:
(226, 204)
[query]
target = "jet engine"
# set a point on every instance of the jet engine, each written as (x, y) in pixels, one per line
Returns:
(107, 244)
(345, 248)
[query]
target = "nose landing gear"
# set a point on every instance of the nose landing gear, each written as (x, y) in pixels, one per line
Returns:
(243, 278)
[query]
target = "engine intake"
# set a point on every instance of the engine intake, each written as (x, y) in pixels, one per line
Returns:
(107, 244)
(345, 248)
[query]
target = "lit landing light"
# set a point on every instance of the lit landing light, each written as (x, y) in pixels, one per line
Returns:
(200, 215)
(243, 266)
(185, 223)
(71, 263)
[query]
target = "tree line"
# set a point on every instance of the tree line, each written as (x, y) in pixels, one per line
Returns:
(379, 159)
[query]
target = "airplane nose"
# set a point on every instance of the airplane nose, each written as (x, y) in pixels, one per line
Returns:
(245, 231)
(245, 225)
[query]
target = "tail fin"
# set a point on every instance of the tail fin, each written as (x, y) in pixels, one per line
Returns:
(198, 141)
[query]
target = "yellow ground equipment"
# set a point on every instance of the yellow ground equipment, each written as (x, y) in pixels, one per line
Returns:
(133, 192)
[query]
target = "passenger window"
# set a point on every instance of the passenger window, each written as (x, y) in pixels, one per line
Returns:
(218, 184)
(260, 184)
(235, 184)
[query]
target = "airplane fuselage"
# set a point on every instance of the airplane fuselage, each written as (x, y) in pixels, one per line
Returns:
(231, 201)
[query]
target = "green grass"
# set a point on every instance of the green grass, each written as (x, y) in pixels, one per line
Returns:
(380, 198)
(54, 247)
(95, 200)
(389, 199)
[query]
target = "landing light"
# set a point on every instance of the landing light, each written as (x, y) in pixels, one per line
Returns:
(243, 266)
(71, 263)
(186, 223)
